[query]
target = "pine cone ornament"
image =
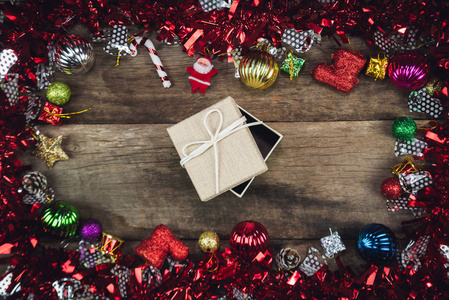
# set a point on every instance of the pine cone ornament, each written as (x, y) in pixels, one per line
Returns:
(47, 196)
(34, 183)
(288, 259)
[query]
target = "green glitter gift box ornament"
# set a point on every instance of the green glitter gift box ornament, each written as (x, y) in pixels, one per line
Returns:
(60, 218)
(292, 64)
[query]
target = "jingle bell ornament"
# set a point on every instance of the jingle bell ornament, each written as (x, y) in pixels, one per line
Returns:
(258, 69)
(209, 242)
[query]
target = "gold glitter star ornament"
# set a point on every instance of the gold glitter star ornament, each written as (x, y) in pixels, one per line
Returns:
(50, 150)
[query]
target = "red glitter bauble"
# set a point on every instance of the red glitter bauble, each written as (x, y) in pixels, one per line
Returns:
(409, 70)
(249, 238)
(391, 188)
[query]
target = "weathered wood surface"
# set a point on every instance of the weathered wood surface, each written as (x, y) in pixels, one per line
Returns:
(133, 93)
(323, 174)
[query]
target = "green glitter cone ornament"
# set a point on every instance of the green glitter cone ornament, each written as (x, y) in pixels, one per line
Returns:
(58, 93)
(60, 218)
(404, 128)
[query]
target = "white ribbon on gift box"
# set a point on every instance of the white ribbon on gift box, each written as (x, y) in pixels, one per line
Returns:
(214, 139)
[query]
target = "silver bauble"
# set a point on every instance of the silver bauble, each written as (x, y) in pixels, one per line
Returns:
(74, 55)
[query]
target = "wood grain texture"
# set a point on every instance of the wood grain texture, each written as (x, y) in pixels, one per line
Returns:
(323, 174)
(133, 93)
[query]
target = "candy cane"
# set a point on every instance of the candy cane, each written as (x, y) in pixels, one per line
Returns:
(154, 57)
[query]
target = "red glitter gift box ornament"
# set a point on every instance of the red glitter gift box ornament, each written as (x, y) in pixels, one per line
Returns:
(342, 75)
(51, 114)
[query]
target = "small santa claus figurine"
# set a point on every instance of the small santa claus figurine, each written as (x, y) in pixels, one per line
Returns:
(200, 74)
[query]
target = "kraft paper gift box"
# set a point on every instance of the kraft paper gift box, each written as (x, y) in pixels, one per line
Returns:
(218, 158)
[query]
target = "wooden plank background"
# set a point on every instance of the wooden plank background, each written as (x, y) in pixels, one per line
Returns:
(326, 172)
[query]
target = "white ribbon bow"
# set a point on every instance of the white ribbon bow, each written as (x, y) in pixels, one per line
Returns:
(214, 139)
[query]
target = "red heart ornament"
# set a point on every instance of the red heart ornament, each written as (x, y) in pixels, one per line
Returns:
(159, 244)
(342, 75)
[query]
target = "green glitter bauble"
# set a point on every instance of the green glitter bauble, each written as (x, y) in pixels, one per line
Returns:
(58, 93)
(404, 128)
(60, 218)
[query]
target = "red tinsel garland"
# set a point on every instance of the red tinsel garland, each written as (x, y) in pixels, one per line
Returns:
(32, 25)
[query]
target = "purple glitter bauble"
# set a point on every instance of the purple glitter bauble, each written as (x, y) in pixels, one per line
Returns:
(91, 230)
(409, 70)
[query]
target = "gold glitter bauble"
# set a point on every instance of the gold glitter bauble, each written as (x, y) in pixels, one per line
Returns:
(58, 93)
(209, 241)
(258, 69)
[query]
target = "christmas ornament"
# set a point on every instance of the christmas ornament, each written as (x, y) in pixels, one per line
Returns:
(421, 101)
(91, 230)
(50, 150)
(236, 56)
(342, 75)
(43, 72)
(200, 74)
(377, 67)
(292, 64)
(154, 58)
(122, 274)
(312, 262)
(391, 188)
(110, 246)
(409, 70)
(118, 41)
(413, 182)
(209, 242)
(434, 85)
(159, 244)
(258, 69)
(73, 55)
(301, 40)
(7, 59)
(51, 114)
(33, 109)
(60, 218)
(403, 203)
(34, 183)
(11, 88)
(208, 5)
(44, 197)
(66, 288)
(288, 259)
(404, 128)
(414, 250)
(332, 244)
(58, 93)
(91, 256)
(6, 289)
(249, 238)
(376, 244)
(414, 147)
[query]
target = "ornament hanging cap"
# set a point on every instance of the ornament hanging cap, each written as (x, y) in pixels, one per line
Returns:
(206, 55)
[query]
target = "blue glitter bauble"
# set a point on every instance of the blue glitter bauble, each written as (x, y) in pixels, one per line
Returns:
(376, 244)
